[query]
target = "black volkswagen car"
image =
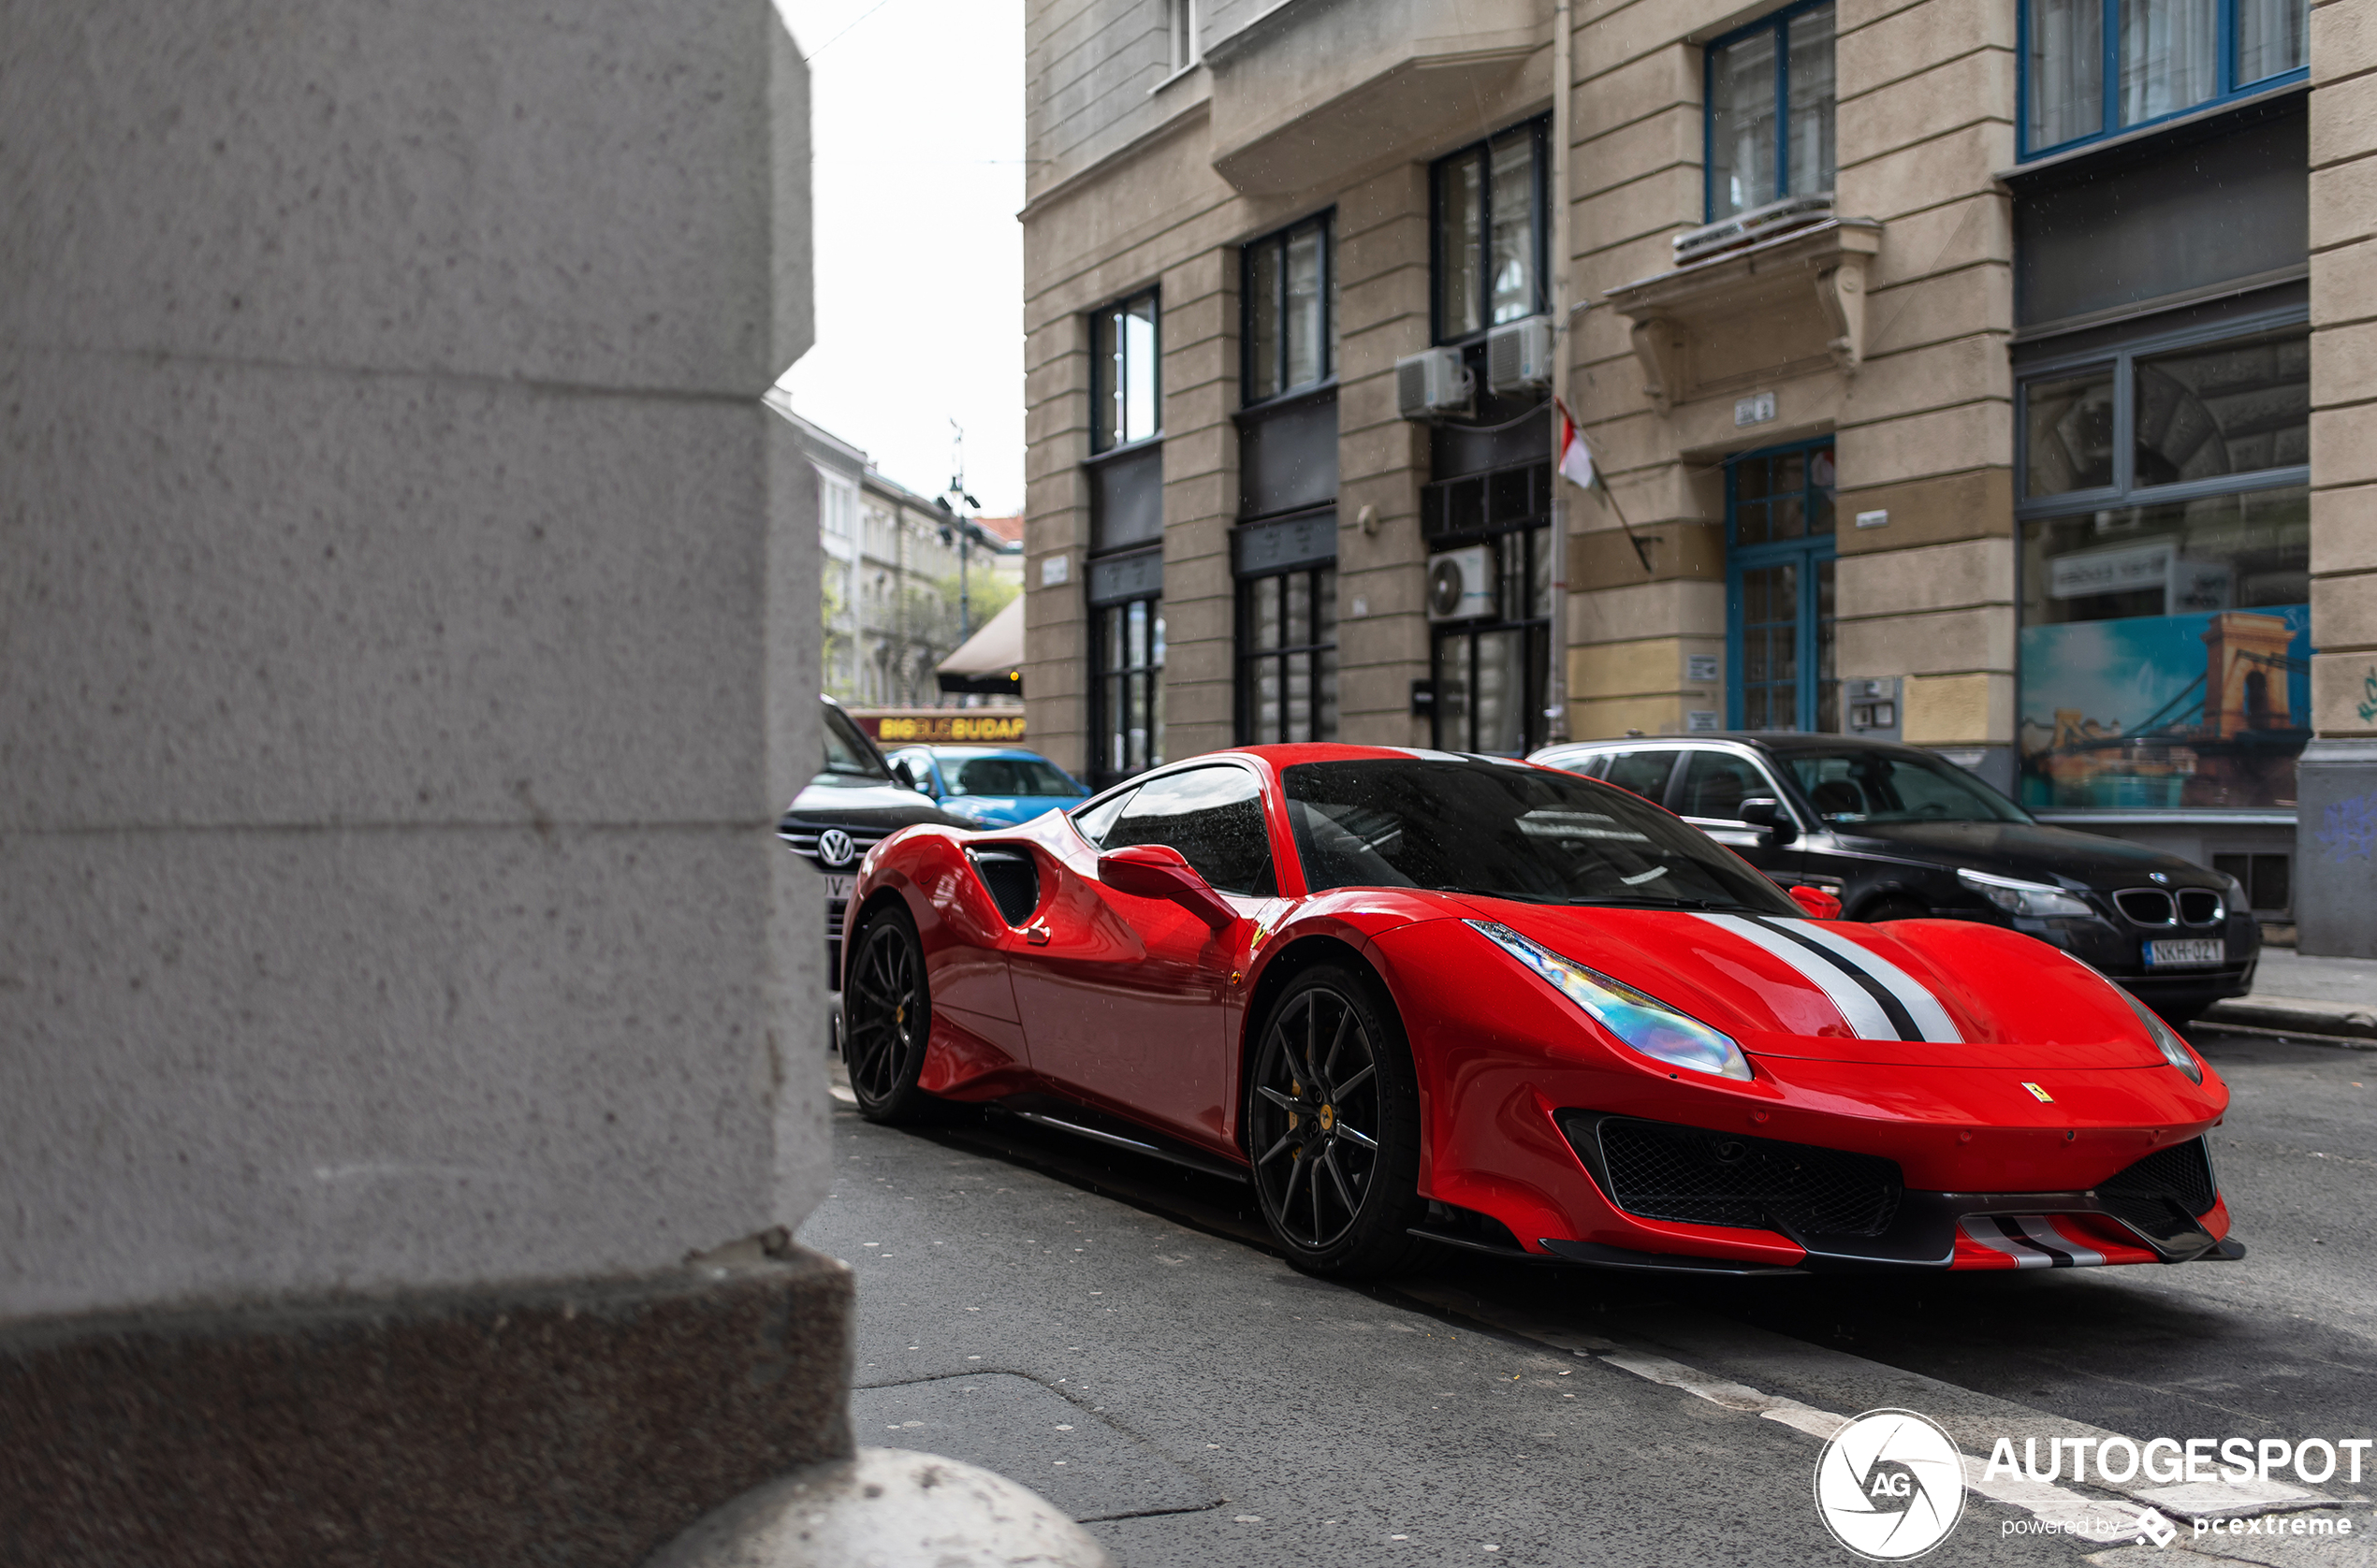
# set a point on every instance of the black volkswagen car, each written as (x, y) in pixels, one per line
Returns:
(1895, 833)
(844, 812)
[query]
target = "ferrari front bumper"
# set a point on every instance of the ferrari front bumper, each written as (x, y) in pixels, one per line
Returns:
(1840, 1210)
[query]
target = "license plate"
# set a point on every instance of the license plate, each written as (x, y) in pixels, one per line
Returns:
(2192, 949)
(839, 883)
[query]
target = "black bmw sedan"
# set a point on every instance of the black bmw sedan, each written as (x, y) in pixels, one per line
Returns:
(1895, 833)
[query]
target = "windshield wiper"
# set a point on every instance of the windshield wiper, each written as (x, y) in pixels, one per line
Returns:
(1637, 901)
(1498, 892)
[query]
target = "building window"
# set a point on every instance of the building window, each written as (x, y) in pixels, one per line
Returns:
(1778, 590)
(1288, 657)
(840, 499)
(2166, 531)
(2094, 67)
(1126, 381)
(1487, 675)
(1770, 117)
(1489, 203)
(1180, 33)
(1289, 301)
(1127, 698)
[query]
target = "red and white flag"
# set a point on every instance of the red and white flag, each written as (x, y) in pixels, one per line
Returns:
(1576, 460)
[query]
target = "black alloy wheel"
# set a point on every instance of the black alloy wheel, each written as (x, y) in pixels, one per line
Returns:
(886, 1018)
(1333, 1126)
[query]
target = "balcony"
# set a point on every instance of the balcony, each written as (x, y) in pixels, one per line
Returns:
(1312, 88)
(1758, 301)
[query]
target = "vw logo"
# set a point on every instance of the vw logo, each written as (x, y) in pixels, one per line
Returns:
(834, 848)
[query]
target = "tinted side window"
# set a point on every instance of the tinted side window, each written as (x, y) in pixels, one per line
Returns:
(1645, 773)
(1715, 783)
(1098, 820)
(1214, 817)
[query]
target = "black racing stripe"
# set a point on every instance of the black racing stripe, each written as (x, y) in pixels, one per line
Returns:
(2063, 1258)
(1892, 1009)
(2018, 1238)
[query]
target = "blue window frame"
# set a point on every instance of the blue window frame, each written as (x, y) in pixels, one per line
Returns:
(1768, 92)
(1778, 590)
(2095, 69)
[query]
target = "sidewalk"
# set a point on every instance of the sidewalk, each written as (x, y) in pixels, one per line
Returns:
(2336, 998)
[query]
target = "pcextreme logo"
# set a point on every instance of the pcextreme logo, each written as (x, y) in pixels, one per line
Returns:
(1890, 1485)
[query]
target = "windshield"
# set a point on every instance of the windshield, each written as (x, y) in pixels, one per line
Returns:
(1008, 775)
(849, 754)
(1508, 833)
(1897, 787)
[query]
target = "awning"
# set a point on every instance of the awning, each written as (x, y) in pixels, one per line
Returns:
(991, 660)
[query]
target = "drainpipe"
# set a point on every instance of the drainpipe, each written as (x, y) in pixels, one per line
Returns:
(1555, 686)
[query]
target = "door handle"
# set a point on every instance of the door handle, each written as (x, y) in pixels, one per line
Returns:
(1037, 934)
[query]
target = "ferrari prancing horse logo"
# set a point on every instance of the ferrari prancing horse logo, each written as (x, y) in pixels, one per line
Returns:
(2039, 1095)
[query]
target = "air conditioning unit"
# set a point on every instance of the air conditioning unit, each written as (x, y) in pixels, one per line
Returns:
(1431, 383)
(1461, 584)
(1519, 355)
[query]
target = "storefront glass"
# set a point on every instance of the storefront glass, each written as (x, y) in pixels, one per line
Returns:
(2166, 653)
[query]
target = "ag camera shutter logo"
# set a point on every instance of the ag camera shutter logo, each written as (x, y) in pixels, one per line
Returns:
(1890, 1485)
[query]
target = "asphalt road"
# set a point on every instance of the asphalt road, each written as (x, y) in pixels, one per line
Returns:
(1117, 1335)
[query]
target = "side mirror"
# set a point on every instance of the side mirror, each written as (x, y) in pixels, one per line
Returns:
(905, 777)
(1161, 871)
(1765, 811)
(1819, 904)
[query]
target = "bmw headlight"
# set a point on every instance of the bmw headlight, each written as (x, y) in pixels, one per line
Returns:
(2167, 1040)
(1643, 1021)
(2017, 898)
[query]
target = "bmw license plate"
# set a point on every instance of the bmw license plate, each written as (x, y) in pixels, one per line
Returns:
(2186, 952)
(838, 886)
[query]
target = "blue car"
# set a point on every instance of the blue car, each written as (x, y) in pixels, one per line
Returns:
(990, 787)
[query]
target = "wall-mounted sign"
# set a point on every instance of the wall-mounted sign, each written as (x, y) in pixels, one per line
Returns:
(1699, 669)
(943, 726)
(1755, 409)
(1055, 570)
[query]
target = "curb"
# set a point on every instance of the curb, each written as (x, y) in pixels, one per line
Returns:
(2337, 1023)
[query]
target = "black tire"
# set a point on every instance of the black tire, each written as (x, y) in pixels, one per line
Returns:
(887, 1016)
(1894, 908)
(1333, 1126)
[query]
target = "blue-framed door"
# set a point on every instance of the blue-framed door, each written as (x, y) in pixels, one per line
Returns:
(1778, 590)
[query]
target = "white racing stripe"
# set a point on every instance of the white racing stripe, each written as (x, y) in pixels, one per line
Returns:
(1913, 995)
(1863, 1014)
(2043, 1229)
(1983, 1230)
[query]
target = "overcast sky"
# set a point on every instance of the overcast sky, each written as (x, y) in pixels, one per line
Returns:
(917, 122)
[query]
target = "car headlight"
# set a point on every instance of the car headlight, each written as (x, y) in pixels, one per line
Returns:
(1643, 1021)
(2017, 898)
(2167, 1040)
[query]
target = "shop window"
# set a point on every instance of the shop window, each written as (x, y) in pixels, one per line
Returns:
(1127, 688)
(2094, 67)
(2165, 644)
(1769, 97)
(1489, 228)
(1287, 295)
(2268, 880)
(1288, 657)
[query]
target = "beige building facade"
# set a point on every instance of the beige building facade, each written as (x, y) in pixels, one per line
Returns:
(1992, 375)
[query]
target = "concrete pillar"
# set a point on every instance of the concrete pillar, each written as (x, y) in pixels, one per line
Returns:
(2335, 822)
(409, 618)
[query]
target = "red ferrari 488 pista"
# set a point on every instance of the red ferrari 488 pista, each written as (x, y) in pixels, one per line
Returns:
(1412, 995)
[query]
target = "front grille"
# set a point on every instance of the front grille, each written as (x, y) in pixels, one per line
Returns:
(2199, 905)
(2146, 906)
(802, 838)
(1665, 1173)
(2145, 1194)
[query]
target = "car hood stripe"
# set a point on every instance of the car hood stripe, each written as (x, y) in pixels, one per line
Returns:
(1921, 1005)
(1857, 1006)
